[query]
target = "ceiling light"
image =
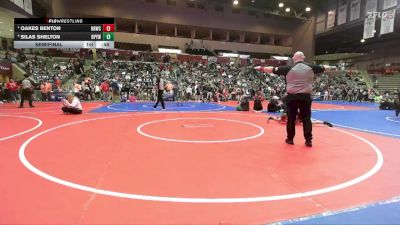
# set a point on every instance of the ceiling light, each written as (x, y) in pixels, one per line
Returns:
(308, 9)
(236, 2)
(281, 5)
(287, 9)
(362, 41)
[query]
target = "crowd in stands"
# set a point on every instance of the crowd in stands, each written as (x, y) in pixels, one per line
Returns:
(48, 72)
(111, 79)
(191, 81)
(344, 87)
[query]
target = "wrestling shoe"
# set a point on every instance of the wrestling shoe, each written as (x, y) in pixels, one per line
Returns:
(308, 143)
(289, 142)
(328, 124)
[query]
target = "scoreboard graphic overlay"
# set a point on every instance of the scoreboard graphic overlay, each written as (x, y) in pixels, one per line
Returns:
(64, 33)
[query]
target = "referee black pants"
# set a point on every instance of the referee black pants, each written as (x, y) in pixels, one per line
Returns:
(160, 99)
(295, 103)
(26, 94)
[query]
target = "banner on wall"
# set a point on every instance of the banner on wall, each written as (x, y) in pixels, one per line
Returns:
(330, 22)
(342, 14)
(369, 27)
(19, 3)
(371, 6)
(389, 4)
(387, 23)
(6, 68)
(355, 7)
(28, 6)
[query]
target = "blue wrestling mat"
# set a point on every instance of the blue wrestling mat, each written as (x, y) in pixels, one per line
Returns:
(371, 105)
(170, 106)
(382, 122)
(374, 214)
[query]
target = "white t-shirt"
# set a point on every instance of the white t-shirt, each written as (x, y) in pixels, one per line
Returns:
(189, 90)
(74, 104)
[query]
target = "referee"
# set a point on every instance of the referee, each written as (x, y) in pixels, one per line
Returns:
(27, 87)
(160, 92)
(299, 80)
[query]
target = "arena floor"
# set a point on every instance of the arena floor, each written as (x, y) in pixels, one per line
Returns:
(199, 163)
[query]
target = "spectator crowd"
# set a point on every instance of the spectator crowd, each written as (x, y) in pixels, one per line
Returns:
(115, 80)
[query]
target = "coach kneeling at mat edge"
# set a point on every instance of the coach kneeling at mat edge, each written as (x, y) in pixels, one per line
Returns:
(71, 105)
(299, 80)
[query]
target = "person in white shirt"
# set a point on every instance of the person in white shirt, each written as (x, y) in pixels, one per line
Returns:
(71, 105)
(189, 93)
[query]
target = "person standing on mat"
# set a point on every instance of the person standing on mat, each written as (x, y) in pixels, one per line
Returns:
(160, 92)
(27, 86)
(299, 81)
(12, 88)
(397, 104)
(71, 105)
(258, 99)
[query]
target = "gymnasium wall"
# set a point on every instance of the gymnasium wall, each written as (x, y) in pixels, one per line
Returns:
(180, 42)
(157, 12)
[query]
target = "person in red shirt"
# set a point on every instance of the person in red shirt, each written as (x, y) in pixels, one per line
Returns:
(105, 89)
(12, 87)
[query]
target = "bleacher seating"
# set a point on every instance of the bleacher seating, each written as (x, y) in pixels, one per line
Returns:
(388, 82)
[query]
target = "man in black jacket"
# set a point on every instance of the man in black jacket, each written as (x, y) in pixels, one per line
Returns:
(160, 91)
(397, 104)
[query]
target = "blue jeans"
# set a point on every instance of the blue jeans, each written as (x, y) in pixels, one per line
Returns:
(13, 95)
(105, 96)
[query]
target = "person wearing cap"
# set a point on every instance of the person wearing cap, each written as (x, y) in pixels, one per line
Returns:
(299, 81)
